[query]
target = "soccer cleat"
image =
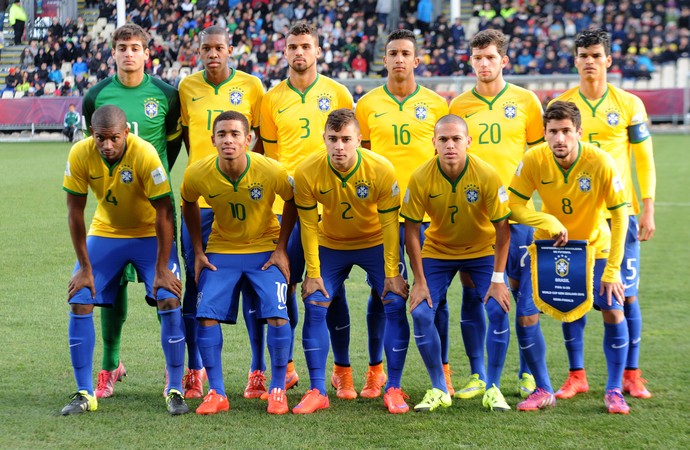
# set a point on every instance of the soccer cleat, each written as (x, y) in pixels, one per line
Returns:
(575, 384)
(311, 402)
(615, 403)
(193, 382)
(433, 399)
(449, 383)
(107, 379)
(376, 378)
(342, 382)
(472, 388)
(277, 402)
(494, 400)
(538, 399)
(176, 403)
(213, 403)
(394, 400)
(291, 377)
(255, 385)
(526, 385)
(81, 402)
(634, 384)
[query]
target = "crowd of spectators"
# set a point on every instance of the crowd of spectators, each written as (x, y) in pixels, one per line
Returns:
(645, 34)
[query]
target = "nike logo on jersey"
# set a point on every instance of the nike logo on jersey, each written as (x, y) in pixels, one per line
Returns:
(527, 346)
(197, 98)
(337, 328)
(546, 182)
(95, 178)
(175, 341)
(213, 196)
(467, 116)
(434, 196)
(281, 111)
(325, 192)
(619, 346)
(502, 332)
(377, 115)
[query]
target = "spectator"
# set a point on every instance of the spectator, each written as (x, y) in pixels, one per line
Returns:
(55, 75)
(424, 15)
(79, 67)
(17, 20)
(26, 59)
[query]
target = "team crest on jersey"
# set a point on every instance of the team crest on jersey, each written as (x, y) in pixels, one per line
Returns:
(236, 97)
(421, 111)
(472, 193)
(362, 188)
(510, 110)
(126, 174)
(256, 191)
(613, 117)
(324, 102)
(584, 182)
(562, 266)
(151, 107)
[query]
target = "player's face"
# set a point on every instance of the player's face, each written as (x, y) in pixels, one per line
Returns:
(451, 142)
(130, 56)
(400, 59)
(563, 139)
(592, 62)
(214, 52)
(230, 139)
(301, 52)
(487, 63)
(342, 146)
(110, 141)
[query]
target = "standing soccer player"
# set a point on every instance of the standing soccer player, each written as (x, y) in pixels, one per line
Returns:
(293, 115)
(133, 224)
(469, 232)
(359, 225)
(204, 95)
(577, 184)
(397, 121)
(242, 249)
(503, 120)
(152, 108)
(616, 122)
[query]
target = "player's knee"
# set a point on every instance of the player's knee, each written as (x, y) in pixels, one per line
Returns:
(167, 304)
(494, 312)
(208, 322)
(631, 299)
(528, 321)
(276, 322)
(395, 308)
(613, 316)
(422, 316)
(79, 309)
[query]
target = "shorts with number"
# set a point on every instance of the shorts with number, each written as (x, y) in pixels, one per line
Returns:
(219, 290)
(600, 300)
(518, 268)
(630, 267)
(109, 256)
(439, 273)
(337, 264)
(295, 253)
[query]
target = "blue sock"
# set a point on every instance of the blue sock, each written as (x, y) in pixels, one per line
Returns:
(255, 331)
(278, 340)
(293, 315)
(315, 344)
(172, 340)
(338, 321)
(524, 366)
(574, 337)
(497, 340)
(533, 348)
(82, 340)
(376, 328)
(442, 322)
(396, 340)
(429, 344)
(193, 356)
(615, 350)
(473, 328)
(211, 347)
(633, 316)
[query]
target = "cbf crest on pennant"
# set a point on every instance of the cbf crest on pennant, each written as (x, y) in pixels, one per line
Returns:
(151, 107)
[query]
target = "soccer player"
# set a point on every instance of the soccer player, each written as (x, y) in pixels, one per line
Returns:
(293, 115)
(503, 120)
(359, 225)
(616, 122)
(71, 122)
(469, 232)
(152, 108)
(134, 224)
(203, 96)
(240, 188)
(578, 183)
(397, 121)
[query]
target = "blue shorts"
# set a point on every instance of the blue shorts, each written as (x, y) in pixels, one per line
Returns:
(630, 267)
(518, 268)
(186, 240)
(600, 300)
(295, 253)
(337, 264)
(219, 291)
(109, 256)
(439, 274)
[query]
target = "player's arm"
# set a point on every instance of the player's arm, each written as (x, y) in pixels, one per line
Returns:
(498, 289)
(165, 228)
(185, 138)
(269, 130)
(646, 176)
(258, 142)
(394, 282)
(420, 290)
(172, 150)
(611, 285)
(77, 229)
(536, 219)
(279, 257)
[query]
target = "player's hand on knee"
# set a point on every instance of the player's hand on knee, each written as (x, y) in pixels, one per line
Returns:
(201, 262)
(499, 292)
(418, 294)
(397, 285)
(311, 285)
(279, 258)
(166, 279)
(613, 291)
(82, 278)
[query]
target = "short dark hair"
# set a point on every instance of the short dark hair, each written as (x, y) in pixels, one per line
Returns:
(560, 110)
(340, 118)
(490, 37)
(131, 31)
(108, 116)
(303, 27)
(452, 118)
(215, 30)
(232, 115)
(588, 38)
(403, 34)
